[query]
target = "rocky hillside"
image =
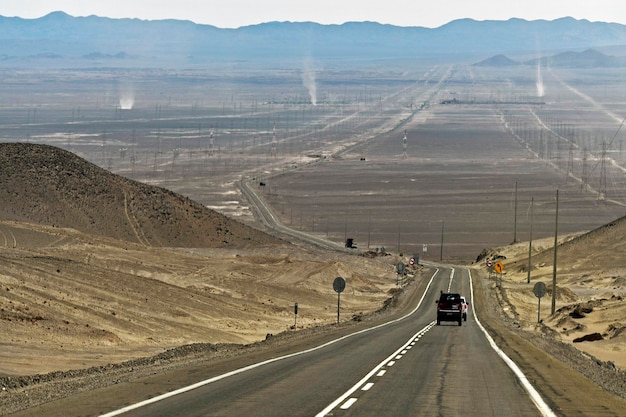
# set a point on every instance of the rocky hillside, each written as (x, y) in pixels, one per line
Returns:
(50, 186)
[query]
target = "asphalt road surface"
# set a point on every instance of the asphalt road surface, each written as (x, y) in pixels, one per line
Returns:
(408, 367)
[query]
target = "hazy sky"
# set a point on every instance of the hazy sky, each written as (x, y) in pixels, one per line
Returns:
(236, 13)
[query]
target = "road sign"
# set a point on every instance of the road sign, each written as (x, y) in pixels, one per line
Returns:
(540, 289)
(498, 267)
(339, 284)
(412, 261)
(489, 263)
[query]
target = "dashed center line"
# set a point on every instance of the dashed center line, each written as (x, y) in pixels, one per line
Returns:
(364, 384)
(348, 404)
(367, 386)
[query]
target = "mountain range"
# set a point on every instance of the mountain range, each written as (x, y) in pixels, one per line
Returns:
(103, 41)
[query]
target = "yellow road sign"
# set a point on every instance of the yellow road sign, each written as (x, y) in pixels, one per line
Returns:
(498, 267)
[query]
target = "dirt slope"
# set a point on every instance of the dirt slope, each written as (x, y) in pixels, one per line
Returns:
(78, 300)
(47, 185)
(590, 302)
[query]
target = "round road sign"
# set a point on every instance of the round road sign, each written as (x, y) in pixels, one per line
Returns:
(412, 261)
(540, 289)
(339, 284)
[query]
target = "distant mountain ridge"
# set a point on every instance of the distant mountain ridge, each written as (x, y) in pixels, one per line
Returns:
(59, 35)
(589, 58)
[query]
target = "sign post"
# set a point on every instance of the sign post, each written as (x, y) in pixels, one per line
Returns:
(295, 313)
(339, 284)
(490, 267)
(499, 267)
(400, 268)
(540, 290)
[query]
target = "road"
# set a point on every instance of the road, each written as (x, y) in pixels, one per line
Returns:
(408, 367)
(266, 216)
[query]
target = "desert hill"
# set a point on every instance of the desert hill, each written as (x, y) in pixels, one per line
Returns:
(46, 185)
(591, 291)
(593, 250)
(497, 61)
(589, 58)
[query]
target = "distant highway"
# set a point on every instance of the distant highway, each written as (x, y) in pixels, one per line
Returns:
(266, 216)
(407, 367)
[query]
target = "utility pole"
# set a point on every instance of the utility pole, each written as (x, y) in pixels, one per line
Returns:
(602, 189)
(530, 240)
(441, 247)
(556, 233)
(398, 237)
(369, 226)
(515, 216)
(584, 174)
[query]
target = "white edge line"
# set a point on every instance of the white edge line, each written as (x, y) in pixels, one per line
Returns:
(256, 365)
(541, 405)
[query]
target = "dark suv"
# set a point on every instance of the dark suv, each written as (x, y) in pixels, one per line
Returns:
(450, 308)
